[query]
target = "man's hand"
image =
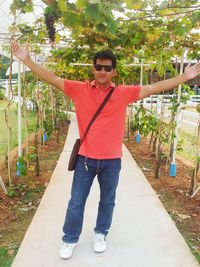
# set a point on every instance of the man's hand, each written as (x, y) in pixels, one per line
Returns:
(44, 74)
(192, 71)
(158, 87)
(21, 53)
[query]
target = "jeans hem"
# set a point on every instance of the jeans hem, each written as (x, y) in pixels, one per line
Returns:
(69, 241)
(100, 232)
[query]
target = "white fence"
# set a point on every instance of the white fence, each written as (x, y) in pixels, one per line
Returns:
(4, 85)
(166, 99)
(188, 120)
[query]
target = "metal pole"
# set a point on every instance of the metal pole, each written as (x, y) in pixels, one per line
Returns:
(173, 163)
(19, 111)
(137, 136)
(19, 102)
(141, 72)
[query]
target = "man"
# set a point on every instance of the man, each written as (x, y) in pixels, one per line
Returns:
(100, 154)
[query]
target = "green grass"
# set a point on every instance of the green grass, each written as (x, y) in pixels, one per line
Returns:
(188, 151)
(14, 123)
(51, 156)
(33, 194)
(6, 259)
(193, 244)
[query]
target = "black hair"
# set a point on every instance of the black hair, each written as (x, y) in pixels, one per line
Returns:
(105, 54)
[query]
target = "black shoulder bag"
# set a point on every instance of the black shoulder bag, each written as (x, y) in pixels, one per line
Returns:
(78, 142)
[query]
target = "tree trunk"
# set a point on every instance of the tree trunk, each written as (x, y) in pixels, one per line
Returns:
(154, 144)
(151, 138)
(37, 162)
(158, 162)
(58, 135)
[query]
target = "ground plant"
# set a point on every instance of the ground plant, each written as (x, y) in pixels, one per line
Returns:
(18, 207)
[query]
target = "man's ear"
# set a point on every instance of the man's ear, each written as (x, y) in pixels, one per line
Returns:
(114, 73)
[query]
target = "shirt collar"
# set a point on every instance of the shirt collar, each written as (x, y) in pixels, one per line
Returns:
(94, 85)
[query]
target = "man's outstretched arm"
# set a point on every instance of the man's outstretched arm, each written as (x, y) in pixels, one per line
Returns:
(158, 87)
(45, 75)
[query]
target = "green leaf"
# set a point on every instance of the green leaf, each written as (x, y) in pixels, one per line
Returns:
(81, 4)
(123, 38)
(101, 27)
(57, 38)
(134, 4)
(72, 19)
(180, 30)
(62, 5)
(112, 26)
(95, 1)
(92, 12)
(28, 8)
(49, 11)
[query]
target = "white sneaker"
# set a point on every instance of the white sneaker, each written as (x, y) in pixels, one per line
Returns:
(99, 242)
(66, 250)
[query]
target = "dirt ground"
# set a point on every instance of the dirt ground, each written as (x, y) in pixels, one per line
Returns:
(17, 211)
(172, 191)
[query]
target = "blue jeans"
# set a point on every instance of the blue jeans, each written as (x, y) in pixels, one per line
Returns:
(107, 171)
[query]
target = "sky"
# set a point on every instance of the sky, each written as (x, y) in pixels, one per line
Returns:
(6, 18)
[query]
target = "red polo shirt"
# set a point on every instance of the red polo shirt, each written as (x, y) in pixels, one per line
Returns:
(105, 137)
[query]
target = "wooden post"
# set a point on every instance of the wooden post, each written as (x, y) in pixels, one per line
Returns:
(3, 186)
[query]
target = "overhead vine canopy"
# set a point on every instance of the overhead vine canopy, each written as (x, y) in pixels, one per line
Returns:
(153, 30)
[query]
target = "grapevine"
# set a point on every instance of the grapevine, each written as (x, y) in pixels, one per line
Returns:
(49, 21)
(51, 14)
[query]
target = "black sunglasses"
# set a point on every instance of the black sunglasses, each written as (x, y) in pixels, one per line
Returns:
(99, 67)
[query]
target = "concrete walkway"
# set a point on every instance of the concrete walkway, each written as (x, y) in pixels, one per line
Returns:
(142, 233)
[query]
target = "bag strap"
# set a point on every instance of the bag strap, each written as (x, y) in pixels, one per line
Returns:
(98, 112)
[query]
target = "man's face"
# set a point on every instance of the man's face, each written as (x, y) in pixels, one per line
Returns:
(103, 74)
